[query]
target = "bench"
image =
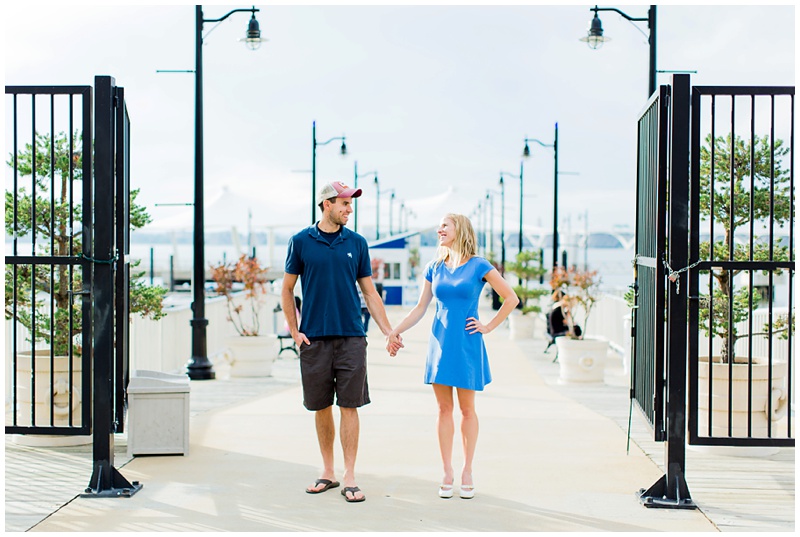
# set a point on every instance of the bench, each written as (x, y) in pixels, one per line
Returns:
(285, 339)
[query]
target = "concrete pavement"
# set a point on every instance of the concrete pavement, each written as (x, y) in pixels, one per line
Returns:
(545, 461)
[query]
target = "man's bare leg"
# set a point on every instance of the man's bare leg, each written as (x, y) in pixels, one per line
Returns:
(326, 432)
(349, 431)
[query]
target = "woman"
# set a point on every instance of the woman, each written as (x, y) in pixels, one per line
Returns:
(456, 353)
(561, 322)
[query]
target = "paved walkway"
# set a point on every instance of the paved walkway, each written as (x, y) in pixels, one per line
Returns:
(550, 457)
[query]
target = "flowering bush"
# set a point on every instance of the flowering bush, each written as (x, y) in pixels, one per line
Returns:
(249, 272)
(579, 288)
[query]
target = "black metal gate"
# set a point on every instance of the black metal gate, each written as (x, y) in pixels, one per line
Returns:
(741, 308)
(86, 353)
(695, 189)
(48, 273)
(647, 370)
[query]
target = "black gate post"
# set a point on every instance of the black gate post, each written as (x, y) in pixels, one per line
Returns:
(106, 481)
(671, 490)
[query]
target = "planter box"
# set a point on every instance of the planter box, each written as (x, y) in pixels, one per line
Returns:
(252, 356)
(64, 394)
(582, 360)
(158, 414)
(763, 400)
(521, 326)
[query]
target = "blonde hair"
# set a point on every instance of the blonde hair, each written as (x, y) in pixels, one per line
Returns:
(465, 244)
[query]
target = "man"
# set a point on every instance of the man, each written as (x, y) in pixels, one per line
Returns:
(330, 259)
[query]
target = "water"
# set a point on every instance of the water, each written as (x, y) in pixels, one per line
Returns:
(613, 264)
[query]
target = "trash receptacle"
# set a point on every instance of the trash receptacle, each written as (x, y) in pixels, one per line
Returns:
(158, 413)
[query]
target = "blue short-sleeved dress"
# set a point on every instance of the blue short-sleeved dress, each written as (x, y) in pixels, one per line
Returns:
(456, 357)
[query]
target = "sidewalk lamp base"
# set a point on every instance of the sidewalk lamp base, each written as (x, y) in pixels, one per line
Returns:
(200, 368)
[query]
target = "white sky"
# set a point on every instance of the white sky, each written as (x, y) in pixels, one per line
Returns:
(429, 96)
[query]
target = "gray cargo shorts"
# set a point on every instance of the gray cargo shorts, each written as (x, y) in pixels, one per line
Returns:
(334, 366)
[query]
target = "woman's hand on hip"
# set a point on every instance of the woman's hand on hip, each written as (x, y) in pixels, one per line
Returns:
(474, 325)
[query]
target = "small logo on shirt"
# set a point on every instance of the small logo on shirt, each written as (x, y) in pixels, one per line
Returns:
(349, 255)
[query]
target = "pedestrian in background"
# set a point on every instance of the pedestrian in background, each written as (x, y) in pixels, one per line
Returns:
(330, 259)
(457, 360)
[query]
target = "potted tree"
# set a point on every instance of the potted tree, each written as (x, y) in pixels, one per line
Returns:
(726, 312)
(528, 268)
(39, 299)
(244, 285)
(580, 358)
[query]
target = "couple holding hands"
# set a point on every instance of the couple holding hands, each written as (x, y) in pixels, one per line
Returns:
(329, 258)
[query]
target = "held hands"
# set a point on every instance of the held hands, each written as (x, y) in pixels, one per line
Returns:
(393, 343)
(476, 326)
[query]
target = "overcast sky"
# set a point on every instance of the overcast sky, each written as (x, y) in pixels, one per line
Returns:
(430, 97)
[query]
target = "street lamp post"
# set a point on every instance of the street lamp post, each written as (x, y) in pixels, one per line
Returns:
(199, 366)
(314, 145)
(526, 152)
(356, 175)
(391, 206)
(405, 212)
(502, 226)
(595, 38)
(377, 209)
(490, 208)
(520, 205)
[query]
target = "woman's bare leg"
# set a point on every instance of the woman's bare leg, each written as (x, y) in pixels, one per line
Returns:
(445, 427)
(469, 432)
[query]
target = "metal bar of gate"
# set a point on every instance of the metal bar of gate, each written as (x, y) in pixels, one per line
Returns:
(122, 273)
(106, 481)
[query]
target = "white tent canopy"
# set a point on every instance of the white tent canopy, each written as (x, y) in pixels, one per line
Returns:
(230, 209)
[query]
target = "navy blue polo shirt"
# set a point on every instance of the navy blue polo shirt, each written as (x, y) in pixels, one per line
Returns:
(328, 274)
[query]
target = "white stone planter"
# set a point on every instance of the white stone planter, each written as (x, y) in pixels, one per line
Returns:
(738, 410)
(252, 356)
(59, 396)
(521, 326)
(581, 360)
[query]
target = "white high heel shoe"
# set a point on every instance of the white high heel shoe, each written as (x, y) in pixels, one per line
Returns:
(445, 491)
(467, 492)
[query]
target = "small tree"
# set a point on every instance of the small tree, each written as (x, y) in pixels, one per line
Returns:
(735, 163)
(249, 272)
(528, 268)
(52, 209)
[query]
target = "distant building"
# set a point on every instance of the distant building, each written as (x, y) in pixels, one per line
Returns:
(401, 284)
